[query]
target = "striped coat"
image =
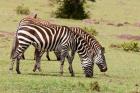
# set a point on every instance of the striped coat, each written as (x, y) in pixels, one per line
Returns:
(98, 50)
(45, 38)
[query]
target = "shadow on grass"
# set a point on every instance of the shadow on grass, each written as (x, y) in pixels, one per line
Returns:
(41, 60)
(57, 74)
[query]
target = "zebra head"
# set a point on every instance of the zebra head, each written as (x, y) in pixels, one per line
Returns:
(100, 60)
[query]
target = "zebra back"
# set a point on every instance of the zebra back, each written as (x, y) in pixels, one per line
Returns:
(90, 39)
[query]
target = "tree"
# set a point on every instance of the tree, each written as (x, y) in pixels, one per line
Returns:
(71, 9)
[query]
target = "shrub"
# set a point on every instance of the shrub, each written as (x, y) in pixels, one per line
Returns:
(21, 9)
(91, 30)
(94, 86)
(71, 9)
(127, 46)
(130, 46)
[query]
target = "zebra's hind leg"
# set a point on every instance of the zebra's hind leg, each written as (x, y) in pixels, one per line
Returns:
(17, 65)
(12, 64)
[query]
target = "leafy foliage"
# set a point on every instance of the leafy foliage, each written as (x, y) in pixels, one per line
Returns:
(21, 9)
(131, 46)
(127, 46)
(71, 9)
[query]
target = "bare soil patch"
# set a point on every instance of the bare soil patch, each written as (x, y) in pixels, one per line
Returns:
(129, 37)
(91, 21)
(107, 22)
(137, 24)
(6, 34)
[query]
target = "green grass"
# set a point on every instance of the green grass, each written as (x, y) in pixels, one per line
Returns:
(123, 67)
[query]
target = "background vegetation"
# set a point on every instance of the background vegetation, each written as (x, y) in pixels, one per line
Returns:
(71, 9)
(110, 18)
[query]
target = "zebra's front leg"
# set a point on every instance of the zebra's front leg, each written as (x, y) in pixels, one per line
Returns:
(72, 55)
(62, 62)
(23, 57)
(61, 65)
(47, 55)
(37, 64)
(38, 55)
(57, 54)
(70, 65)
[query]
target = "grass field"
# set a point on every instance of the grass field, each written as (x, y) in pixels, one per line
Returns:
(123, 67)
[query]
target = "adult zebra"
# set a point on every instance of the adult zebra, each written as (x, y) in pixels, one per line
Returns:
(98, 50)
(45, 38)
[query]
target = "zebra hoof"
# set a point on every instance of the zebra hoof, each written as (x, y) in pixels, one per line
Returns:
(34, 70)
(49, 59)
(73, 75)
(18, 72)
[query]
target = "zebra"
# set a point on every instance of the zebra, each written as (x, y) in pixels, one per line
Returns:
(45, 38)
(97, 48)
(95, 45)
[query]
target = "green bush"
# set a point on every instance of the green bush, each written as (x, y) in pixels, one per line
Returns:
(130, 46)
(91, 30)
(21, 9)
(71, 9)
(127, 46)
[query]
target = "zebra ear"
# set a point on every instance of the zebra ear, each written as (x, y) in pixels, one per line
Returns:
(35, 16)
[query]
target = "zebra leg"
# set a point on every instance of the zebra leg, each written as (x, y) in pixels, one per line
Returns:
(57, 54)
(47, 55)
(70, 65)
(35, 53)
(61, 65)
(12, 64)
(38, 56)
(62, 62)
(17, 65)
(23, 57)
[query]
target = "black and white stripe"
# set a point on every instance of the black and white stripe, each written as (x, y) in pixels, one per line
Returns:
(58, 38)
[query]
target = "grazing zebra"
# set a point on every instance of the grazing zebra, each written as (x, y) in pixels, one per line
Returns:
(58, 38)
(98, 50)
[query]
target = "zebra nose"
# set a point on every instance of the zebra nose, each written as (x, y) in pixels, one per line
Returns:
(104, 69)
